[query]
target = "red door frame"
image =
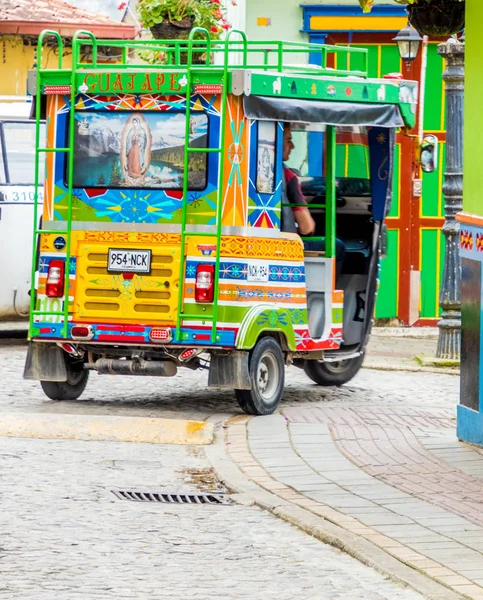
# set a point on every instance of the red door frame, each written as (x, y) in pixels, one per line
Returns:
(410, 221)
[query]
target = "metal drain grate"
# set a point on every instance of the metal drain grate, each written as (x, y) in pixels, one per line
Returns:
(137, 496)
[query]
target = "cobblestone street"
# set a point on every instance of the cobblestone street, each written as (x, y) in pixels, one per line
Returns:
(186, 395)
(63, 532)
(265, 198)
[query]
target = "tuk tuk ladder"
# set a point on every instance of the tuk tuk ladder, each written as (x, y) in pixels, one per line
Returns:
(220, 150)
(41, 151)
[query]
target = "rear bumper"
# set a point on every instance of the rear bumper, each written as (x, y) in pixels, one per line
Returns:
(138, 335)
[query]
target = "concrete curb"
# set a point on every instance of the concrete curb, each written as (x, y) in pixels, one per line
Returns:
(438, 363)
(106, 429)
(14, 330)
(322, 529)
(371, 362)
(406, 332)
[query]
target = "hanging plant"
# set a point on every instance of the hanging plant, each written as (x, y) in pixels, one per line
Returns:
(437, 17)
(431, 17)
(174, 19)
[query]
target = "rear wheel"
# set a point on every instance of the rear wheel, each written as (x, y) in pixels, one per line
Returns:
(267, 375)
(333, 373)
(71, 389)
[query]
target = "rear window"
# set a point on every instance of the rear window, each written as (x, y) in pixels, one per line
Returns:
(352, 153)
(18, 153)
(138, 150)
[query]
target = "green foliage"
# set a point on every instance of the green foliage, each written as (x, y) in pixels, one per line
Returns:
(115, 174)
(175, 157)
(208, 14)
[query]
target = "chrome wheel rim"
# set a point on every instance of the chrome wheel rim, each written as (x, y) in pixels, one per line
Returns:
(268, 376)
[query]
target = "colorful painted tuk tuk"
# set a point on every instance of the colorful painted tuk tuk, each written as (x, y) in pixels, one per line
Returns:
(162, 243)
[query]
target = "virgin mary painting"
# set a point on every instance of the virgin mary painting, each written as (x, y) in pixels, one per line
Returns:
(136, 142)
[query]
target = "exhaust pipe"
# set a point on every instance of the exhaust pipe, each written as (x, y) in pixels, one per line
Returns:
(115, 366)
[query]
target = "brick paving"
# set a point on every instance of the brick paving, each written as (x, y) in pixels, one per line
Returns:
(384, 445)
(394, 475)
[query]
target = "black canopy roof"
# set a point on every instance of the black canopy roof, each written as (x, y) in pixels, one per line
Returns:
(322, 111)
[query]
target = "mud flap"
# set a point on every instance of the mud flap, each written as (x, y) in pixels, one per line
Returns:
(45, 362)
(230, 371)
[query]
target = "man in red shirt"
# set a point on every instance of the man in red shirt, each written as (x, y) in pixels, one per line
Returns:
(301, 213)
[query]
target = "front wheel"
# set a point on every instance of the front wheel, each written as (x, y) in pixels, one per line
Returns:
(267, 375)
(333, 373)
(71, 389)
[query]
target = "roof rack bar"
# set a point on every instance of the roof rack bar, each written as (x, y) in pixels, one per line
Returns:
(274, 54)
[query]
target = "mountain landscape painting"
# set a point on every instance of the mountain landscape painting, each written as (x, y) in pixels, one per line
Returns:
(138, 150)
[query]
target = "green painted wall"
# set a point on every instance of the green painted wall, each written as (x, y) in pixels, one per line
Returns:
(285, 23)
(473, 145)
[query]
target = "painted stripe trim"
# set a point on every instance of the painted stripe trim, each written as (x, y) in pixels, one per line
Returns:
(470, 219)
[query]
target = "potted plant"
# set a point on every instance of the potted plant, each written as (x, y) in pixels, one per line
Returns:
(437, 17)
(431, 17)
(174, 19)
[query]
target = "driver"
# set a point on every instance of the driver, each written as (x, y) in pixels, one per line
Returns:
(297, 219)
(301, 214)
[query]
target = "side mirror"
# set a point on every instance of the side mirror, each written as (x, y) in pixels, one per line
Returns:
(429, 153)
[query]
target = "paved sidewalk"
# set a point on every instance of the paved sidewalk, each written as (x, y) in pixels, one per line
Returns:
(405, 349)
(395, 477)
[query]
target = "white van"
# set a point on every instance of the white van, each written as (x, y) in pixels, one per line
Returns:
(17, 166)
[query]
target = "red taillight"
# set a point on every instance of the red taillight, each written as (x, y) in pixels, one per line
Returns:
(82, 332)
(187, 354)
(55, 279)
(161, 335)
(205, 283)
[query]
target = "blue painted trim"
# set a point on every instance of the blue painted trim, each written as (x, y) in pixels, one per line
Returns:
(473, 253)
(316, 143)
(238, 271)
(469, 426)
(315, 58)
(261, 203)
(310, 32)
(227, 337)
(337, 10)
(319, 10)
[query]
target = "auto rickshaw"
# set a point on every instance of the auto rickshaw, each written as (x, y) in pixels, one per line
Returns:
(162, 243)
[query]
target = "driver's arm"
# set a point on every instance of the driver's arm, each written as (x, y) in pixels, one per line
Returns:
(301, 213)
(304, 220)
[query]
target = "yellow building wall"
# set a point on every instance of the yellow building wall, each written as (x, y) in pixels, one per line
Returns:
(17, 59)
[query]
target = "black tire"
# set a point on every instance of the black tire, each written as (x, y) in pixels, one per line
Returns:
(267, 374)
(333, 373)
(71, 389)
